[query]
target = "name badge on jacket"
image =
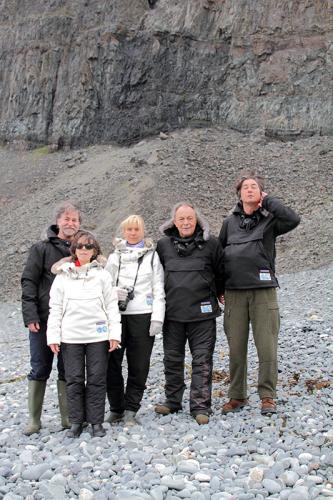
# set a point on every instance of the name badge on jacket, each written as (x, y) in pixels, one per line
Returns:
(206, 307)
(264, 275)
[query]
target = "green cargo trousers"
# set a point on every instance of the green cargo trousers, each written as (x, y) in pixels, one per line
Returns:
(260, 308)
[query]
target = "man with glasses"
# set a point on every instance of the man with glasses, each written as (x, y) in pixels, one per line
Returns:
(248, 239)
(36, 282)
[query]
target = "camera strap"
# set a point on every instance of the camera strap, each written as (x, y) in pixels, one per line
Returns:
(140, 259)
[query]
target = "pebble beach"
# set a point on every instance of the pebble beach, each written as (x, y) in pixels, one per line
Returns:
(240, 456)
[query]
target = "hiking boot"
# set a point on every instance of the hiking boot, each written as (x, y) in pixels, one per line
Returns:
(233, 405)
(74, 431)
(98, 430)
(129, 418)
(114, 417)
(164, 409)
(202, 419)
(268, 406)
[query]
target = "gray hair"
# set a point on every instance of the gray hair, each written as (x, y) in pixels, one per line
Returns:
(67, 206)
(185, 204)
(202, 221)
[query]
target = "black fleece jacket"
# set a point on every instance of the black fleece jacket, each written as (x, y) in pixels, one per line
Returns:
(37, 278)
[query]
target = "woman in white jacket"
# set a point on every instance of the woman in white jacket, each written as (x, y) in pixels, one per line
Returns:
(84, 322)
(138, 276)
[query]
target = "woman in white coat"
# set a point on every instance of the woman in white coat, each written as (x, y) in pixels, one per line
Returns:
(84, 322)
(138, 276)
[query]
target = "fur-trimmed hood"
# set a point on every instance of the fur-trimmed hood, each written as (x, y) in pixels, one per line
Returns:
(67, 265)
(169, 227)
(120, 246)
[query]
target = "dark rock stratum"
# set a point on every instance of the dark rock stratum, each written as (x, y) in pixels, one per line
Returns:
(81, 71)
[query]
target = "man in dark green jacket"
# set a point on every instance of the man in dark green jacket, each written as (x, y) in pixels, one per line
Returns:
(193, 277)
(248, 239)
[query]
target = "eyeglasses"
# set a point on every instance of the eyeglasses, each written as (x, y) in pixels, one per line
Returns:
(87, 246)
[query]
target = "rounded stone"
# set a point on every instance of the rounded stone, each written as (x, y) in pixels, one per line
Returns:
(271, 486)
(289, 478)
(190, 466)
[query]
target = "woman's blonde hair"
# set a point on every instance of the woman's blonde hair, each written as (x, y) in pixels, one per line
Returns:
(133, 220)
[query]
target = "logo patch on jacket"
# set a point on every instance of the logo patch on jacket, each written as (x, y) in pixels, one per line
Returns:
(101, 327)
(149, 299)
(264, 275)
(206, 307)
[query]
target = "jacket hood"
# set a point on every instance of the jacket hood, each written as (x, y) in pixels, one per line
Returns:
(51, 234)
(238, 209)
(66, 265)
(120, 245)
(169, 227)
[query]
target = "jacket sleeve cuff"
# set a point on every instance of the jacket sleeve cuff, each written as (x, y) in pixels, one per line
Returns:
(53, 340)
(115, 331)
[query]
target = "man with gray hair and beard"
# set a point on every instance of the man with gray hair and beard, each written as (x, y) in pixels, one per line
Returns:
(36, 283)
(193, 265)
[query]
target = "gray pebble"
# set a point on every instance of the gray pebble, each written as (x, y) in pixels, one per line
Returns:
(158, 492)
(299, 493)
(176, 484)
(12, 496)
(271, 486)
(190, 466)
(52, 491)
(289, 478)
(34, 472)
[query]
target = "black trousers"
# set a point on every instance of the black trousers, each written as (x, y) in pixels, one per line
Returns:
(41, 356)
(201, 336)
(137, 343)
(86, 366)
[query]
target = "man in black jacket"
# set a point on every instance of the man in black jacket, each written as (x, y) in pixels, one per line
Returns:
(193, 267)
(36, 282)
(248, 238)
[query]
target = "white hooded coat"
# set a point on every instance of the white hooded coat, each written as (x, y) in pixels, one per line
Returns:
(83, 305)
(149, 296)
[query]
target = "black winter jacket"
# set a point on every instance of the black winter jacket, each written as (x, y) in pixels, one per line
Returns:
(249, 254)
(193, 276)
(37, 278)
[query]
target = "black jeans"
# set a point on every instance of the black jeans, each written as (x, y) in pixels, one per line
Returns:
(41, 357)
(86, 399)
(201, 336)
(138, 344)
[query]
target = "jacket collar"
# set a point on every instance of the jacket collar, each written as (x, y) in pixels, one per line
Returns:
(238, 210)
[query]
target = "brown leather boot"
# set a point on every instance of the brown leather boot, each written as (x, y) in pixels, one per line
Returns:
(233, 405)
(164, 409)
(201, 419)
(268, 406)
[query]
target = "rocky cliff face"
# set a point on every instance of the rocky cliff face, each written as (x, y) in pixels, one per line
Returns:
(88, 71)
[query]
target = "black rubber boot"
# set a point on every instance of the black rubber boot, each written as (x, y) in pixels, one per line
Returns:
(98, 430)
(114, 417)
(62, 398)
(74, 431)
